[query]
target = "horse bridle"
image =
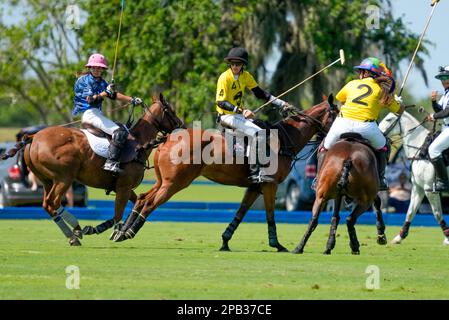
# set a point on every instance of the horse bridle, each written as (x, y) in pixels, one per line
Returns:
(173, 120)
(314, 121)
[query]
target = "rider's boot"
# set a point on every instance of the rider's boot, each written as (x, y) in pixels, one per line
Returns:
(257, 173)
(320, 158)
(382, 160)
(118, 141)
(441, 179)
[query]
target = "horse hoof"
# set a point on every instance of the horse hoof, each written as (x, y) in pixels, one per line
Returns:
(118, 237)
(225, 248)
(74, 242)
(298, 251)
(396, 240)
(282, 249)
(88, 230)
(356, 253)
(382, 239)
(78, 234)
(327, 252)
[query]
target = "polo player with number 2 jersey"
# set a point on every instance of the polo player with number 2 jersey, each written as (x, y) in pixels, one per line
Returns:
(362, 101)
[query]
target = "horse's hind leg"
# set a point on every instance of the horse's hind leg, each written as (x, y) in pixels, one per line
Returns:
(317, 207)
(54, 191)
(380, 224)
(435, 202)
(334, 224)
(415, 202)
(251, 194)
(350, 222)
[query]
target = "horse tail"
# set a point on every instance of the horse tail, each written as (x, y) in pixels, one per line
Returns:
(26, 139)
(343, 182)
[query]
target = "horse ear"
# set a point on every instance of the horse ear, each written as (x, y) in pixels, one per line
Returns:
(161, 97)
(330, 99)
(154, 98)
(324, 97)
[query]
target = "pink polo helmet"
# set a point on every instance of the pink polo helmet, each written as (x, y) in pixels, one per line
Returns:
(97, 60)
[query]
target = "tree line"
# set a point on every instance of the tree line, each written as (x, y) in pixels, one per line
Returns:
(177, 47)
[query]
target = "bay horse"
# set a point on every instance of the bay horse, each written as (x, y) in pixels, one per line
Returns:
(171, 178)
(413, 136)
(59, 155)
(349, 169)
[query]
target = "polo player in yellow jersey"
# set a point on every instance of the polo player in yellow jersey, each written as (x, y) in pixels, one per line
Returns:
(362, 101)
(231, 87)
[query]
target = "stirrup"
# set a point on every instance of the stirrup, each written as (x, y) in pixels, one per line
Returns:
(436, 188)
(260, 178)
(112, 166)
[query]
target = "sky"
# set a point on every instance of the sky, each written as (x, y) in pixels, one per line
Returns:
(415, 14)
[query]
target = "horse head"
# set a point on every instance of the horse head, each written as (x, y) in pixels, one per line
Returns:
(408, 128)
(323, 114)
(163, 115)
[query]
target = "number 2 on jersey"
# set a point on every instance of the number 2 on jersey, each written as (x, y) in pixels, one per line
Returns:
(368, 92)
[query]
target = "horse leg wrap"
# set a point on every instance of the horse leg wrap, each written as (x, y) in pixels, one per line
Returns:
(102, 227)
(227, 234)
(138, 223)
(272, 234)
(445, 228)
(68, 217)
(130, 220)
(63, 226)
(404, 231)
(380, 227)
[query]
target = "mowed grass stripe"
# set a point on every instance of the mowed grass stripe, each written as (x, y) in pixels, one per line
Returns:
(182, 261)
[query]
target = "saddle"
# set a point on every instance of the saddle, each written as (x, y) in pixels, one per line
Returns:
(423, 153)
(99, 142)
(355, 137)
(240, 149)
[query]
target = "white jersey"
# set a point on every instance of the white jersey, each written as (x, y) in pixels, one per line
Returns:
(444, 103)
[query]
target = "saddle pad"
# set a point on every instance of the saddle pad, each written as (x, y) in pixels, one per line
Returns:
(99, 145)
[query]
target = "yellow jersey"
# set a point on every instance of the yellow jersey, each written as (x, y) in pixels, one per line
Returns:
(361, 100)
(232, 90)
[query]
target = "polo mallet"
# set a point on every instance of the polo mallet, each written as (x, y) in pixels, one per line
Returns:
(434, 6)
(342, 60)
(118, 38)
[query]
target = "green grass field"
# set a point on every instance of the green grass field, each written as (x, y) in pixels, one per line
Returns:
(182, 261)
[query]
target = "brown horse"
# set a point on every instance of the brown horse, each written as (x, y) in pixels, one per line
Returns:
(171, 178)
(58, 155)
(349, 169)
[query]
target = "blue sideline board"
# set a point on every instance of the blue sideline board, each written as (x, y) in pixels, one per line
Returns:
(222, 212)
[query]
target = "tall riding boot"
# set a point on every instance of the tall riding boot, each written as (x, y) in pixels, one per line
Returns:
(320, 158)
(118, 141)
(382, 159)
(257, 172)
(441, 179)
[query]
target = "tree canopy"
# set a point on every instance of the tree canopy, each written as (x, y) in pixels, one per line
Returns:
(178, 47)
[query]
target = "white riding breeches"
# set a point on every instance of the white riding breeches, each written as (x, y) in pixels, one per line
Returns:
(368, 130)
(440, 144)
(240, 123)
(95, 117)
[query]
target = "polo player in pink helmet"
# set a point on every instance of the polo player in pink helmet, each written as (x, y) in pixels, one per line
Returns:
(90, 90)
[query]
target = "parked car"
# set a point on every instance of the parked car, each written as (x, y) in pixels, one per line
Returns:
(15, 188)
(295, 192)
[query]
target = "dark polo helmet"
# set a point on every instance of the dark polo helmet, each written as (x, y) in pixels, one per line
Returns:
(239, 54)
(443, 71)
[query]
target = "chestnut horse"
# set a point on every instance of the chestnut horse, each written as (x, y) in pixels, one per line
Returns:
(58, 155)
(171, 178)
(349, 169)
